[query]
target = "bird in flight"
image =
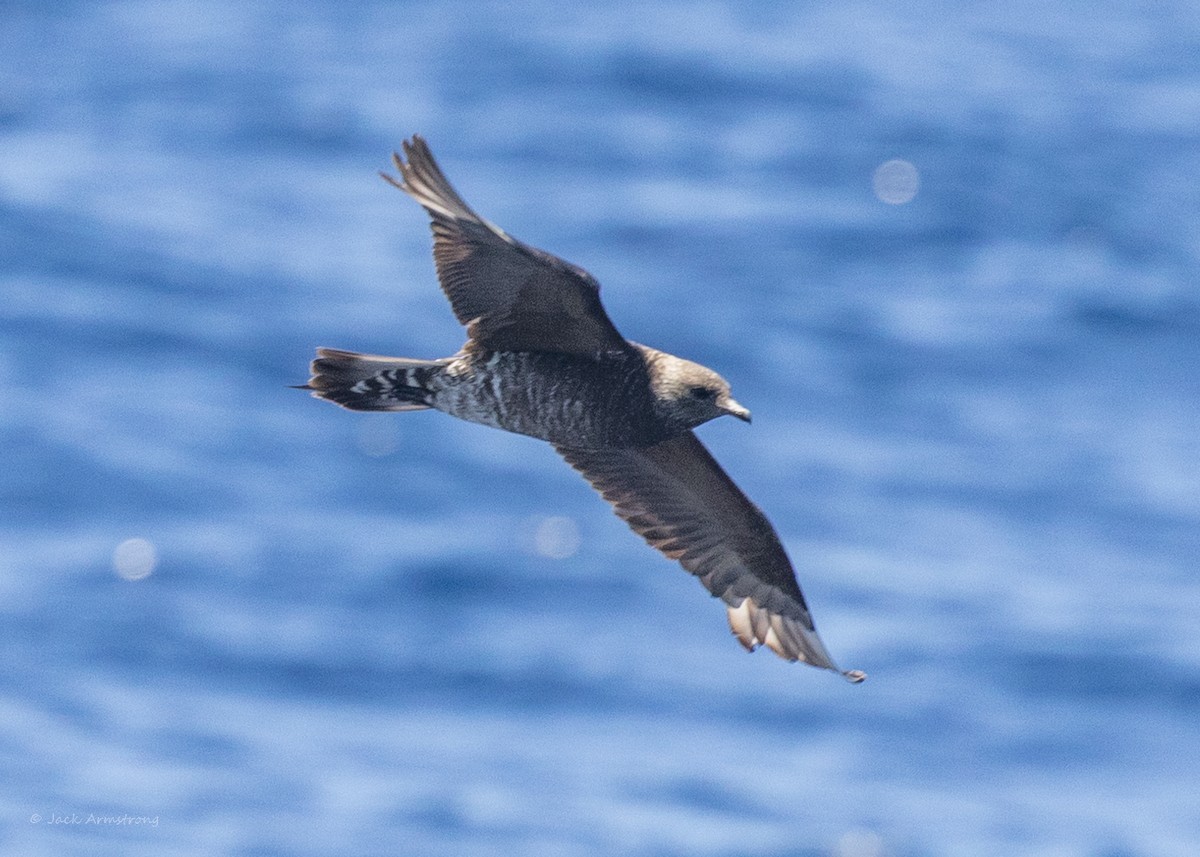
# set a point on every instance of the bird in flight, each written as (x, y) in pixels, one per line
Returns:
(543, 359)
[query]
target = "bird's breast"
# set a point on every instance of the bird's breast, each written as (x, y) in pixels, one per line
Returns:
(567, 399)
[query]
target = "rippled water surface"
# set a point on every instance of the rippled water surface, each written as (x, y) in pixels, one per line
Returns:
(240, 621)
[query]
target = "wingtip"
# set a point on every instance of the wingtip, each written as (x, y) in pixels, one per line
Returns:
(392, 180)
(414, 145)
(753, 625)
(422, 179)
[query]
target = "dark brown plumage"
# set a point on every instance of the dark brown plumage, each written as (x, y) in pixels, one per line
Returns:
(511, 296)
(542, 358)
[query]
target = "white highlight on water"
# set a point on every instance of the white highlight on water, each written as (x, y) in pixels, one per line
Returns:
(859, 843)
(896, 182)
(557, 537)
(134, 559)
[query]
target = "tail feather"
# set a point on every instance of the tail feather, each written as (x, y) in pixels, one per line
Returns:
(367, 382)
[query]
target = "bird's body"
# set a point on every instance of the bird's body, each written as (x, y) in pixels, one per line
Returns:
(543, 359)
(603, 400)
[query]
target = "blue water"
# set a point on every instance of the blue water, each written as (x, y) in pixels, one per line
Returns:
(977, 428)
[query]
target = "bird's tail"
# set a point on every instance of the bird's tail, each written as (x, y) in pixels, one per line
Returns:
(366, 382)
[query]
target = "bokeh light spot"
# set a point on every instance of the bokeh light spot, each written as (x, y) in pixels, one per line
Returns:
(896, 182)
(556, 537)
(134, 559)
(859, 843)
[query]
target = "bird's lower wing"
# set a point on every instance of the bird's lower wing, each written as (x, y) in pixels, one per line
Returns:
(676, 496)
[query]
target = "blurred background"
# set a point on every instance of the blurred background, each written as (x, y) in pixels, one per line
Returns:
(947, 254)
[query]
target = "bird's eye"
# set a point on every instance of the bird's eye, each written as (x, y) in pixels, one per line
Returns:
(702, 392)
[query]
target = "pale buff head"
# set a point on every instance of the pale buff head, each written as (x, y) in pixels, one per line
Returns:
(690, 394)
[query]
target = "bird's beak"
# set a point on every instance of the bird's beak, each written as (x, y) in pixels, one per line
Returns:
(735, 410)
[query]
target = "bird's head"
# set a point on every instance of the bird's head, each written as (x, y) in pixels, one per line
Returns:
(690, 394)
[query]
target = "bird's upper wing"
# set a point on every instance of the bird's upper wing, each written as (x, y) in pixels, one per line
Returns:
(676, 496)
(511, 296)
